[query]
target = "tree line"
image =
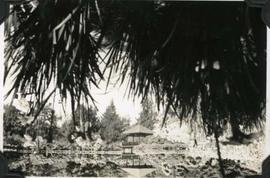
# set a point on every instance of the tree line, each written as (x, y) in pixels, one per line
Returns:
(87, 124)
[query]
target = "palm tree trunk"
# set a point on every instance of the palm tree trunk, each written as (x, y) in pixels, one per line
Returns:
(50, 134)
(222, 171)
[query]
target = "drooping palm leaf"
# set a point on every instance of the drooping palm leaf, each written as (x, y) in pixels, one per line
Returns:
(53, 45)
(207, 53)
(191, 53)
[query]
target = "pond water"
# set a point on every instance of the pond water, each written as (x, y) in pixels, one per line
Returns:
(72, 165)
(155, 165)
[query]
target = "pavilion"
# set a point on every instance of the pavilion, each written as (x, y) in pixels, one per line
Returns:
(133, 136)
(136, 133)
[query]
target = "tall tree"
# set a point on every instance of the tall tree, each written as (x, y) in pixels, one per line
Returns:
(112, 125)
(87, 121)
(148, 116)
(65, 131)
(45, 125)
(13, 127)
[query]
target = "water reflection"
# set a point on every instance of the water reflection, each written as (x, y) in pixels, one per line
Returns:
(136, 166)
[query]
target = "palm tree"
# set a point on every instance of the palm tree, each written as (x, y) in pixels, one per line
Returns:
(57, 43)
(203, 57)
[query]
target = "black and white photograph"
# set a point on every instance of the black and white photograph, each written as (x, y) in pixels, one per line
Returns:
(128, 88)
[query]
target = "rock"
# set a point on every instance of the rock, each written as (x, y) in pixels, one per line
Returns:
(213, 162)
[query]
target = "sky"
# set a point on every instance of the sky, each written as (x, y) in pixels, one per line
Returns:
(126, 107)
(129, 108)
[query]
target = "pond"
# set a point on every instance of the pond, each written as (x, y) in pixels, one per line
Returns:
(109, 165)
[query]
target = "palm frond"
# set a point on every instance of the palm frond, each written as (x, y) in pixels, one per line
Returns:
(187, 53)
(190, 53)
(53, 45)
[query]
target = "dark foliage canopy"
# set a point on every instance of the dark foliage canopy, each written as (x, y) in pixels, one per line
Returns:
(204, 58)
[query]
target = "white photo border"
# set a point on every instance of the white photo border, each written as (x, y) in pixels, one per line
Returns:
(267, 124)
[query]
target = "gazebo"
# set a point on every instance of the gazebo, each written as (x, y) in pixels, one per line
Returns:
(133, 137)
(135, 133)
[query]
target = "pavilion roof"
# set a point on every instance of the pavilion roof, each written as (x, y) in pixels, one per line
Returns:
(138, 129)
